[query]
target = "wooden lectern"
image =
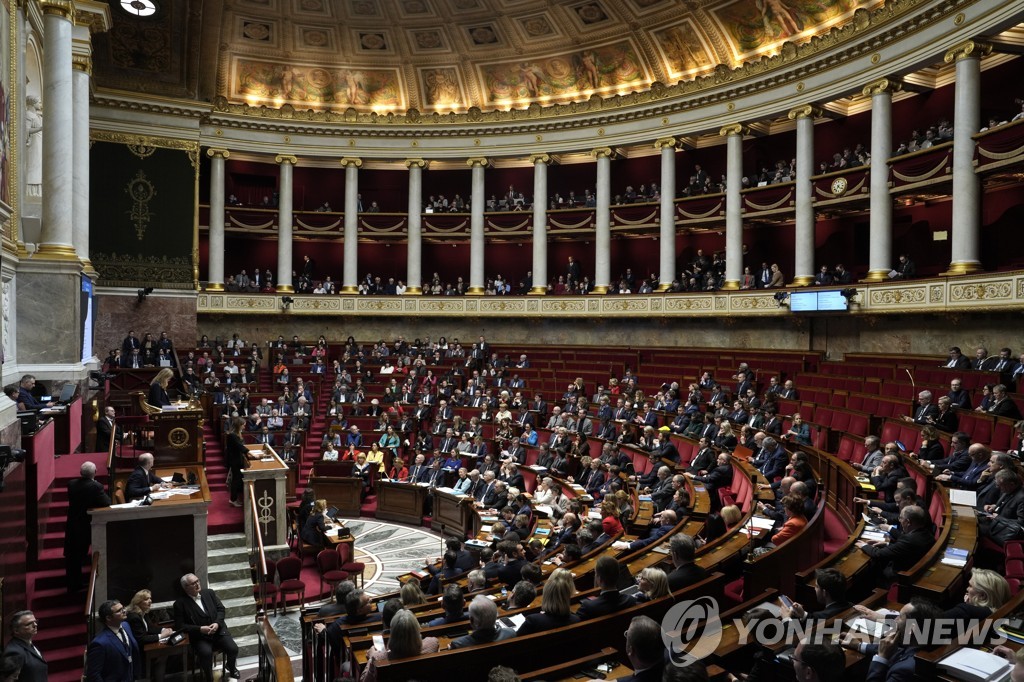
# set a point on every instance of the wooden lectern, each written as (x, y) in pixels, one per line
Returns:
(401, 501)
(176, 431)
(454, 512)
(269, 476)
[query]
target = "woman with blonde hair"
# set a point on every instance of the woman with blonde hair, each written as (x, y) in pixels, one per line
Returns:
(158, 388)
(146, 629)
(554, 605)
(725, 438)
(653, 585)
(411, 594)
(405, 640)
(731, 515)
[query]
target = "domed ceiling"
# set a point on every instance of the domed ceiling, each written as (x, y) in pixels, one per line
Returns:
(441, 55)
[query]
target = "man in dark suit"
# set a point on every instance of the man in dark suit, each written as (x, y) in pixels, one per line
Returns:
(668, 521)
(893, 658)
(982, 361)
(773, 459)
(511, 571)
(494, 492)
(113, 654)
(1002, 405)
(24, 628)
(483, 616)
(84, 493)
(142, 481)
(719, 477)
(912, 544)
(970, 477)
(645, 649)
(1005, 518)
(959, 396)
(957, 359)
(418, 472)
(200, 614)
(830, 589)
(106, 429)
(887, 476)
(610, 600)
(686, 572)
(925, 410)
(1004, 364)
(464, 560)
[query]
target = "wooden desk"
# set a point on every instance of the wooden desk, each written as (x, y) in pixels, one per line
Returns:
(343, 493)
(269, 477)
(400, 502)
(152, 547)
(67, 423)
(155, 651)
(454, 513)
(177, 436)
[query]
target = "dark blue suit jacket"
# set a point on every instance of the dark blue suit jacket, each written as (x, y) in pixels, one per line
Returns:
(109, 660)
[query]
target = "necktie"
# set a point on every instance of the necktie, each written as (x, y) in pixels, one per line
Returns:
(124, 639)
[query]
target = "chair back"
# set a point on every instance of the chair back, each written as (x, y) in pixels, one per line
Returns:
(118, 493)
(344, 552)
(289, 568)
(327, 560)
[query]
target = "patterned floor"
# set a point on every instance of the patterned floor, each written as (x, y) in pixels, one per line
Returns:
(388, 550)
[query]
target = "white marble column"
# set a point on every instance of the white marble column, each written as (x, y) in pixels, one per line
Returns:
(215, 277)
(56, 240)
(414, 257)
(733, 204)
(667, 217)
(540, 162)
(477, 279)
(966, 184)
(82, 70)
(803, 258)
(603, 221)
(880, 260)
(350, 273)
(285, 202)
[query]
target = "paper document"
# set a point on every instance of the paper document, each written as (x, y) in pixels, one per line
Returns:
(964, 497)
(762, 522)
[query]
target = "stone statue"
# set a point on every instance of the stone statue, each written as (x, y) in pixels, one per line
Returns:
(33, 146)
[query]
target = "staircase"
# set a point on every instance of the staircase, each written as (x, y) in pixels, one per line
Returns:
(231, 579)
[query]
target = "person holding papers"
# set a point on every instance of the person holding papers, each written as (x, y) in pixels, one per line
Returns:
(236, 457)
(147, 630)
(142, 481)
(314, 531)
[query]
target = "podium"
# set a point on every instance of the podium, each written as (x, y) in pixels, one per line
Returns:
(401, 501)
(152, 547)
(269, 478)
(343, 492)
(176, 431)
(454, 512)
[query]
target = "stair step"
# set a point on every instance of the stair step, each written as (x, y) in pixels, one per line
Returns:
(233, 589)
(235, 570)
(226, 541)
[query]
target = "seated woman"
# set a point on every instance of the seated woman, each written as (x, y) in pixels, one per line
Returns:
(793, 506)
(931, 448)
(725, 439)
(653, 584)
(389, 440)
(625, 504)
(554, 605)
(411, 594)
(610, 523)
(503, 414)
(404, 641)
(375, 455)
(398, 472)
(452, 461)
(799, 432)
(544, 494)
(147, 631)
(314, 532)
(362, 470)
(463, 482)
(504, 435)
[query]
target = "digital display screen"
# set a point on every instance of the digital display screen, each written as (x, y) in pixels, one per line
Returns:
(817, 301)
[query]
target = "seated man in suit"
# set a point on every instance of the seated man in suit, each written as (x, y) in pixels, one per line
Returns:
(978, 461)
(142, 481)
(925, 412)
(113, 653)
(1004, 520)
(830, 589)
(687, 572)
(912, 544)
(887, 475)
(894, 656)
(719, 477)
(483, 617)
(668, 520)
(606, 577)
(200, 614)
(817, 662)
(645, 650)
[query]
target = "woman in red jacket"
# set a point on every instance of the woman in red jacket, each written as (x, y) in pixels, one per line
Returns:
(793, 505)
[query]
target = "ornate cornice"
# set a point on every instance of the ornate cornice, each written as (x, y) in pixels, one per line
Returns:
(81, 62)
(417, 163)
(889, 85)
(93, 15)
(540, 158)
(285, 158)
(217, 152)
(58, 8)
(970, 49)
(734, 129)
(351, 161)
(144, 140)
(805, 111)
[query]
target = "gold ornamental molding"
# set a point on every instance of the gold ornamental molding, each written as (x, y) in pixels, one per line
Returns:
(602, 153)
(285, 158)
(882, 86)
(418, 163)
(995, 292)
(92, 14)
(64, 9)
(81, 62)
(540, 158)
(351, 161)
(734, 129)
(218, 152)
(478, 161)
(971, 49)
(805, 111)
(664, 142)
(144, 142)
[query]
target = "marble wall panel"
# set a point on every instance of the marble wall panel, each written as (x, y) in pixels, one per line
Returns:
(116, 314)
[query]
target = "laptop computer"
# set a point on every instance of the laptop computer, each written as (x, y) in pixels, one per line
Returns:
(67, 393)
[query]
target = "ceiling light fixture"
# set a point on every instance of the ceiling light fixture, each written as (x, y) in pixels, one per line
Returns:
(139, 8)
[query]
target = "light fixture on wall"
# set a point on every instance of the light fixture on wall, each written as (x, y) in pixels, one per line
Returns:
(286, 302)
(139, 8)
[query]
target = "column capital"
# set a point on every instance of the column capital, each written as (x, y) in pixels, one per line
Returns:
(216, 152)
(82, 62)
(540, 158)
(805, 111)
(734, 129)
(285, 158)
(663, 142)
(64, 9)
(883, 86)
(970, 49)
(418, 163)
(602, 153)
(93, 15)
(478, 161)
(351, 161)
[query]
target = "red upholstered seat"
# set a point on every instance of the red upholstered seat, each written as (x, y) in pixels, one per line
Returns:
(835, 532)
(269, 586)
(329, 565)
(1014, 567)
(348, 563)
(1014, 549)
(734, 591)
(289, 570)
